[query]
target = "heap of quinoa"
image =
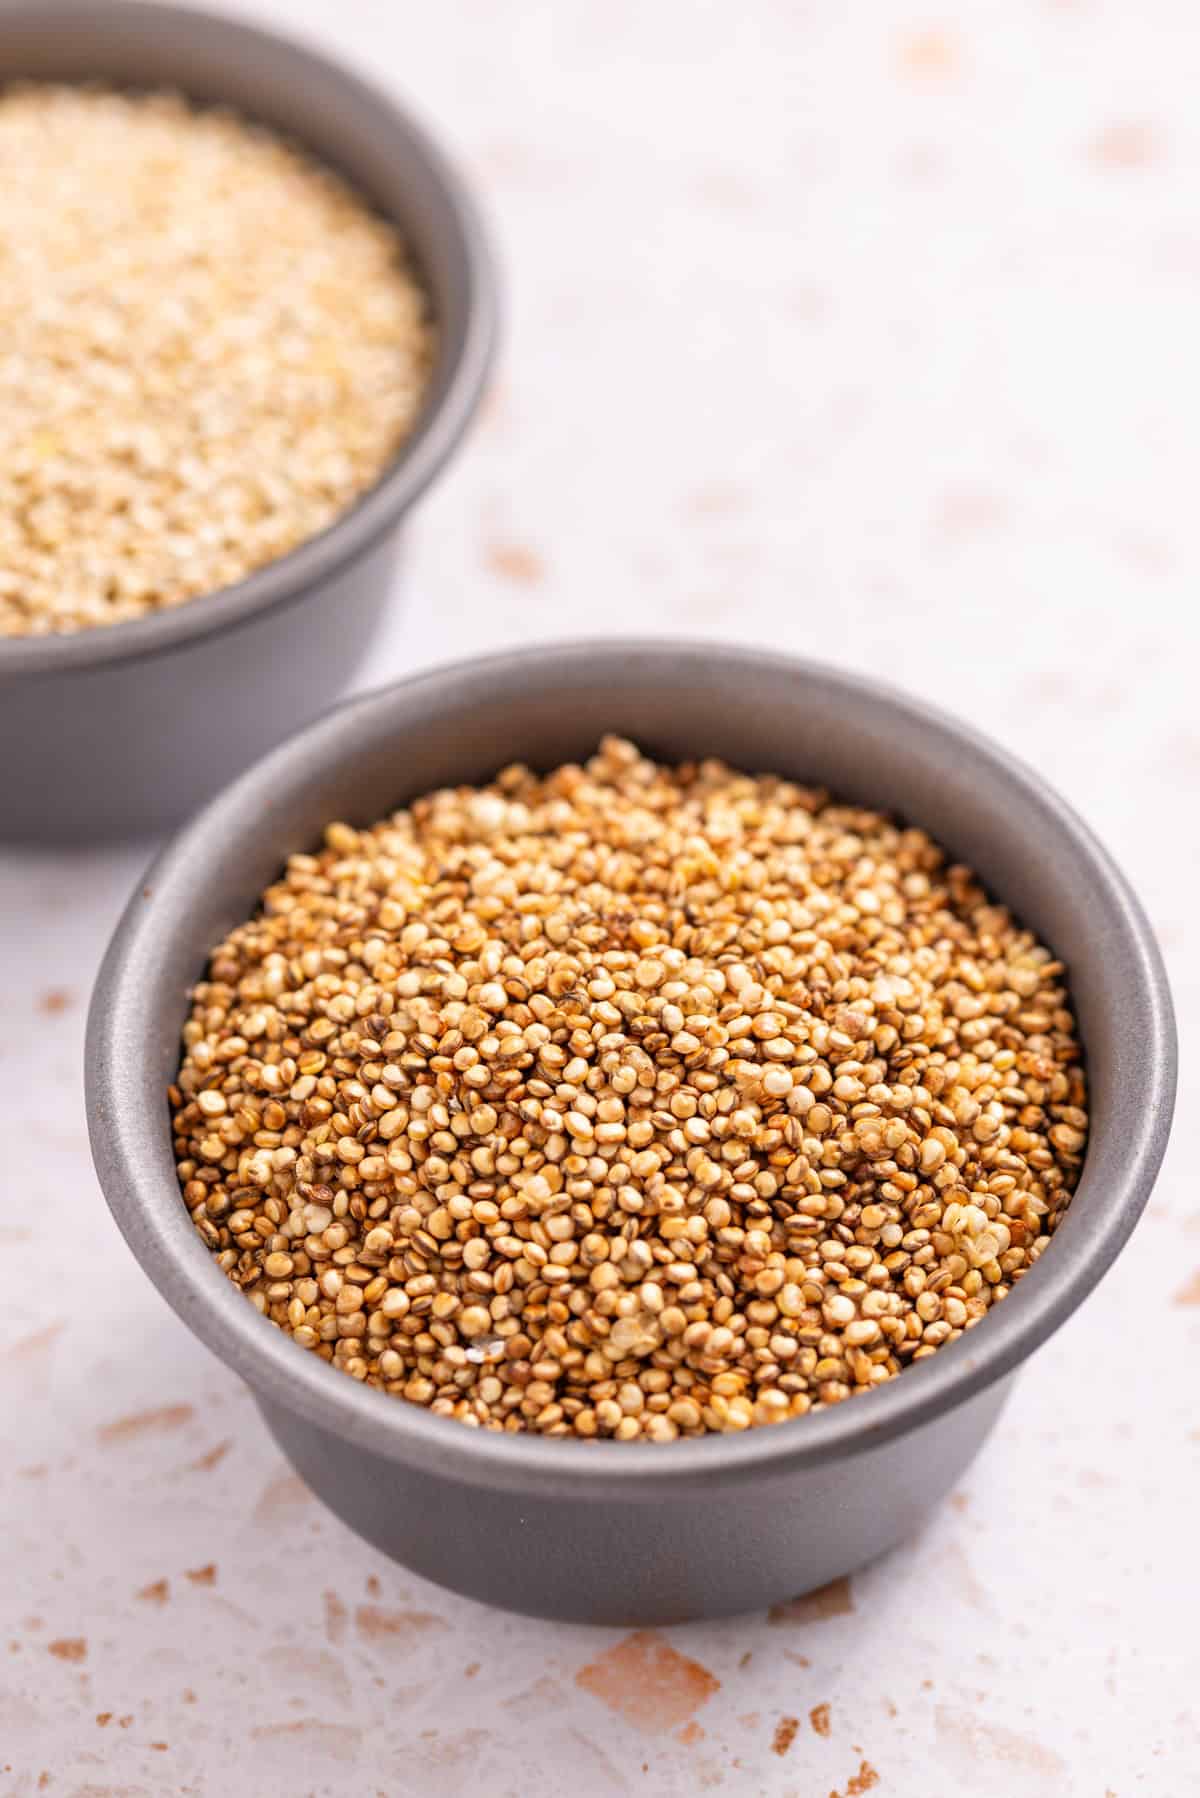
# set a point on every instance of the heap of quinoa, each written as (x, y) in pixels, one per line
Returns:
(628, 1101)
(209, 348)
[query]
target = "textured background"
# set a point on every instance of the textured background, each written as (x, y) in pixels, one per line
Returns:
(867, 332)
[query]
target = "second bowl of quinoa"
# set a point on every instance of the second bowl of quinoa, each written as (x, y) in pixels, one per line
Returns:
(247, 311)
(626, 1136)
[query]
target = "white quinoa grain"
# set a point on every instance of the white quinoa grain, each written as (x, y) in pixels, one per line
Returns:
(209, 347)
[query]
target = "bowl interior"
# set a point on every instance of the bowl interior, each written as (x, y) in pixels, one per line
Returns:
(547, 706)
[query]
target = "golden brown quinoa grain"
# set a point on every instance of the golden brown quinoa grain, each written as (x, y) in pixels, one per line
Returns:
(628, 1101)
(209, 347)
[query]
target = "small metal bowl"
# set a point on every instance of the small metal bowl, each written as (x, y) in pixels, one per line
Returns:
(606, 1531)
(122, 729)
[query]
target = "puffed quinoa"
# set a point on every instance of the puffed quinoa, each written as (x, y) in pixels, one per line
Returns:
(504, 1131)
(209, 348)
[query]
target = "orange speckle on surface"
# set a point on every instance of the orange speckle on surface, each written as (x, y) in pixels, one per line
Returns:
(834, 1600)
(865, 1780)
(691, 1733)
(993, 1742)
(1189, 1294)
(206, 1462)
(648, 1683)
(494, 407)
(1127, 144)
(890, 1708)
(811, 304)
(203, 1576)
(438, 1752)
(337, 1741)
(157, 1592)
(797, 1660)
(966, 511)
(103, 1718)
(746, 1658)
(1049, 686)
(160, 1746)
(785, 1734)
(25, 1348)
(282, 1497)
(920, 163)
(43, 1784)
(373, 1585)
(959, 1501)
(725, 190)
(929, 57)
(404, 1628)
(1147, 553)
(471, 1671)
(335, 1617)
(542, 1699)
(515, 562)
(819, 1718)
(720, 500)
(189, 1697)
(145, 1423)
(68, 1648)
(508, 158)
(54, 1000)
(973, 1590)
(124, 1722)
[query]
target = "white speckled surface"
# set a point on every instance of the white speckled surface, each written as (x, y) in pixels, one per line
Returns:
(863, 331)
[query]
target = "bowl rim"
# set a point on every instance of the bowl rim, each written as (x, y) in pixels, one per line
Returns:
(423, 453)
(148, 1211)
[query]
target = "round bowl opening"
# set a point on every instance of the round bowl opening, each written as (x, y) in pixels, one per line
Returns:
(757, 711)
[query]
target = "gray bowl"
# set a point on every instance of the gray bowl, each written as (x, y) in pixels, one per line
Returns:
(122, 729)
(616, 1532)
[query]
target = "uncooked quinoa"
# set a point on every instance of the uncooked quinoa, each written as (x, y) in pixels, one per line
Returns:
(628, 1101)
(209, 347)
